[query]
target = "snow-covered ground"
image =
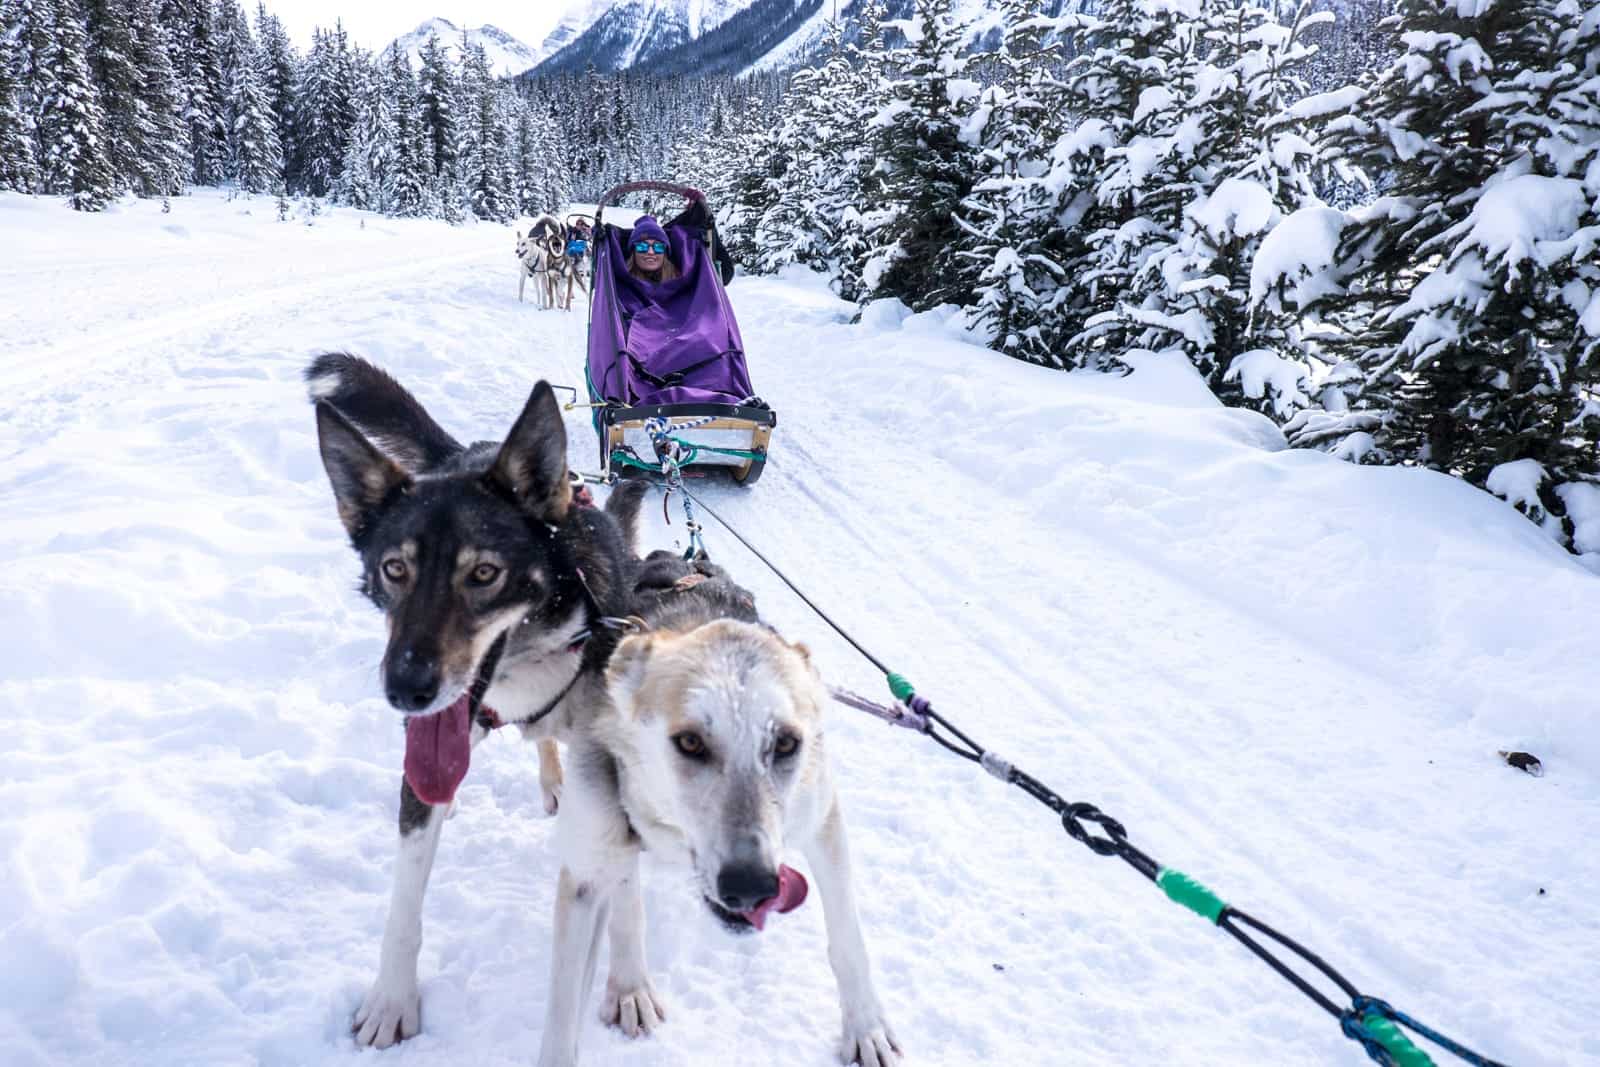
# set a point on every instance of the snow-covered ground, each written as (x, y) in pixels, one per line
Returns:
(1288, 676)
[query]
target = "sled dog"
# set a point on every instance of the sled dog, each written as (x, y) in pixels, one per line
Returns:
(709, 753)
(542, 255)
(496, 585)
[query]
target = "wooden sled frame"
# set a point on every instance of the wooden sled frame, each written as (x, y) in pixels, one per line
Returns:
(612, 423)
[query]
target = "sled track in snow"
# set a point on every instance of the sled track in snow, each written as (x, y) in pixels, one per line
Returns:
(100, 350)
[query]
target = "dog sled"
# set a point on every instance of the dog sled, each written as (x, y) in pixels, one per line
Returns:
(666, 370)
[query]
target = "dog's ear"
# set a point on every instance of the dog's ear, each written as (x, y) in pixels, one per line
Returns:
(812, 682)
(532, 464)
(626, 669)
(362, 477)
(809, 665)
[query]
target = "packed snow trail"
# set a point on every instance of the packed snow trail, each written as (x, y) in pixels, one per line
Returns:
(1287, 676)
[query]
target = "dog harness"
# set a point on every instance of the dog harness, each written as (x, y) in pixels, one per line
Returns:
(439, 746)
(488, 717)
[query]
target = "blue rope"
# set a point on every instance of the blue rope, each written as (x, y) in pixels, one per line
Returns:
(670, 452)
(1372, 1005)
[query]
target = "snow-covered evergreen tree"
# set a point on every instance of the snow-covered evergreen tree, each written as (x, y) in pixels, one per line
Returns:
(1135, 85)
(746, 165)
(278, 74)
(74, 161)
(192, 94)
(814, 175)
(623, 130)
(1218, 163)
(552, 163)
(163, 159)
(1005, 258)
(118, 80)
(593, 166)
(925, 164)
(370, 157)
(1461, 329)
(34, 22)
(349, 65)
(483, 142)
(197, 56)
(317, 141)
(406, 181)
(525, 188)
(255, 155)
(506, 106)
(540, 162)
(847, 198)
(436, 97)
(786, 230)
(19, 169)
(1101, 88)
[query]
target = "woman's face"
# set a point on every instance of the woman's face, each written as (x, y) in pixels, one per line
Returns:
(649, 254)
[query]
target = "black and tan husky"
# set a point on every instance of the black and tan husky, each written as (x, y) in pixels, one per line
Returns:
(495, 584)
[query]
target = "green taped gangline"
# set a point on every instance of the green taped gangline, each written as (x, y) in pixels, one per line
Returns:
(1181, 889)
(1391, 1037)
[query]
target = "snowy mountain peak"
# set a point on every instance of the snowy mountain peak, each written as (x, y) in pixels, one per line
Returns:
(507, 55)
(618, 34)
(728, 36)
(579, 17)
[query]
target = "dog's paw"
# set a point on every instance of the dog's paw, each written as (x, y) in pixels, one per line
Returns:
(870, 1044)
(388, 1015)
(552, 797)
(635, 1011)
(550, 776)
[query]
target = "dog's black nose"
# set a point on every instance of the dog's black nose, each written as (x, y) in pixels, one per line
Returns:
(413, 682)
(741, 887)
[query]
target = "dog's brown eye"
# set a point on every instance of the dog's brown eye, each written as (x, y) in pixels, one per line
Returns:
(394, 570)
(787, 745)
(690, 744)
(484, 574)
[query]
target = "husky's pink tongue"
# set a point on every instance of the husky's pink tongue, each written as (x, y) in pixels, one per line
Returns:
(438, 750)
(791, 894)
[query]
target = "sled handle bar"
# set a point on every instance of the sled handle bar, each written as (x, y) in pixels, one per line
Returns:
(612, 195)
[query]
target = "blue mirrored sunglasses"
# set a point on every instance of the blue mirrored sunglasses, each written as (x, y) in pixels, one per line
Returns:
(658, 247)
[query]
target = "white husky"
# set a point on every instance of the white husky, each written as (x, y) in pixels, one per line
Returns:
(710, 754)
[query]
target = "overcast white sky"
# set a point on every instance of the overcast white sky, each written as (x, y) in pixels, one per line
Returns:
(374, 23)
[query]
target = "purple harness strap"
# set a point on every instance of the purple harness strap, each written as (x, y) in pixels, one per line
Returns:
(896, 715)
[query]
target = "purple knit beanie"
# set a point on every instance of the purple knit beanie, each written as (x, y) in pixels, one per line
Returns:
(648, 229)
